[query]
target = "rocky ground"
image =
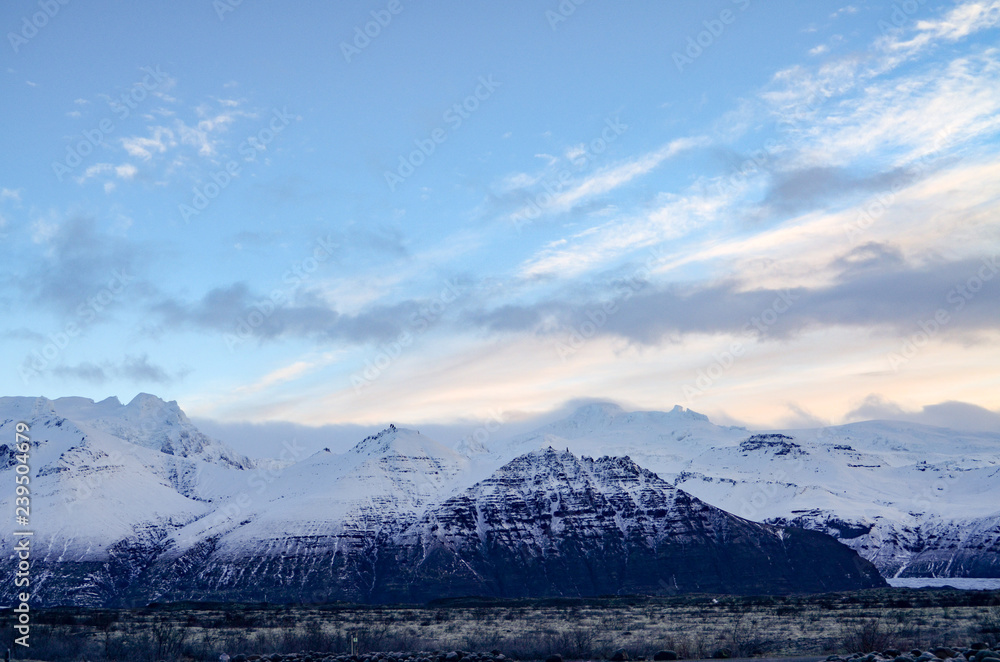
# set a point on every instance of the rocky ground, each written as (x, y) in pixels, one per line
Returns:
(977, 652)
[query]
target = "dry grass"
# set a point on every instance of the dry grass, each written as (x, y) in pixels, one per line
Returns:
(693, 626)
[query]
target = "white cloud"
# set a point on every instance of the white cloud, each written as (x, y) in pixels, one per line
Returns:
(160, 140)
(612, 177)
(43, 230)
(596, 247)
(819, 50)
(279, 376)
(597, 183)
(846, 111)
(10, 194)
(94, 170)
(575, 152)
(965, 19)
(949, 212)
(797, 95)
(913, 116)
(200, 135)
(518, 180)
(126, 171)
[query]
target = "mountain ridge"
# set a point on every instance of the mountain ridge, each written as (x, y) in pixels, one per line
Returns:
(202, 516)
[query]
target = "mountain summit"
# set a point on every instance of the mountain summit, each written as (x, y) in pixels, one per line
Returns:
(136, 505)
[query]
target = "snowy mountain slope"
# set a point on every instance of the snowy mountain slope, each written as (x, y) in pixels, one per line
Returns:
(96, 499)
(896, 492)
(386, 479)
(318, 523)
(549, 523)
(122, 492)
(150, 422)
(131, 503)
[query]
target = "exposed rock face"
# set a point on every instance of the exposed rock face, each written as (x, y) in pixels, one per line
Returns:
(551, 524)
(131, 504)
(930, 547)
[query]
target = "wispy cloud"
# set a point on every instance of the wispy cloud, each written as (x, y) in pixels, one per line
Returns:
(596, 247)
(126, 171)
(908, 118)
(965, 19)
(954, 415)
(874, 288)
(307, 315)
(615, 176)
(158, 142)
(278, 376)
(136, 369)
(78, 262)
(572, 182)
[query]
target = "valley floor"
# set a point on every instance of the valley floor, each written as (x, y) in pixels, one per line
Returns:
(693, 626)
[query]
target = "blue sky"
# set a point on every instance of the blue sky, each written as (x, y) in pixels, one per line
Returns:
(774, 213)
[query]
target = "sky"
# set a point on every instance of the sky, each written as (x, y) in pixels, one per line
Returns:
(345, 214)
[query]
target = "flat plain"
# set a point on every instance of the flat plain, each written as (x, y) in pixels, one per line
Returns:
(694, 626)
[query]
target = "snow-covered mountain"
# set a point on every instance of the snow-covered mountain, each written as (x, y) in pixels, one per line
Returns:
(316, 529)
(131, 503)
(549, 523)
(915, 500)
(109, 482)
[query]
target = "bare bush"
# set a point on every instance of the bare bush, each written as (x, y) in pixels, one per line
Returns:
(872, 634)
(749, 635)
(167, 638)
(989, 624)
